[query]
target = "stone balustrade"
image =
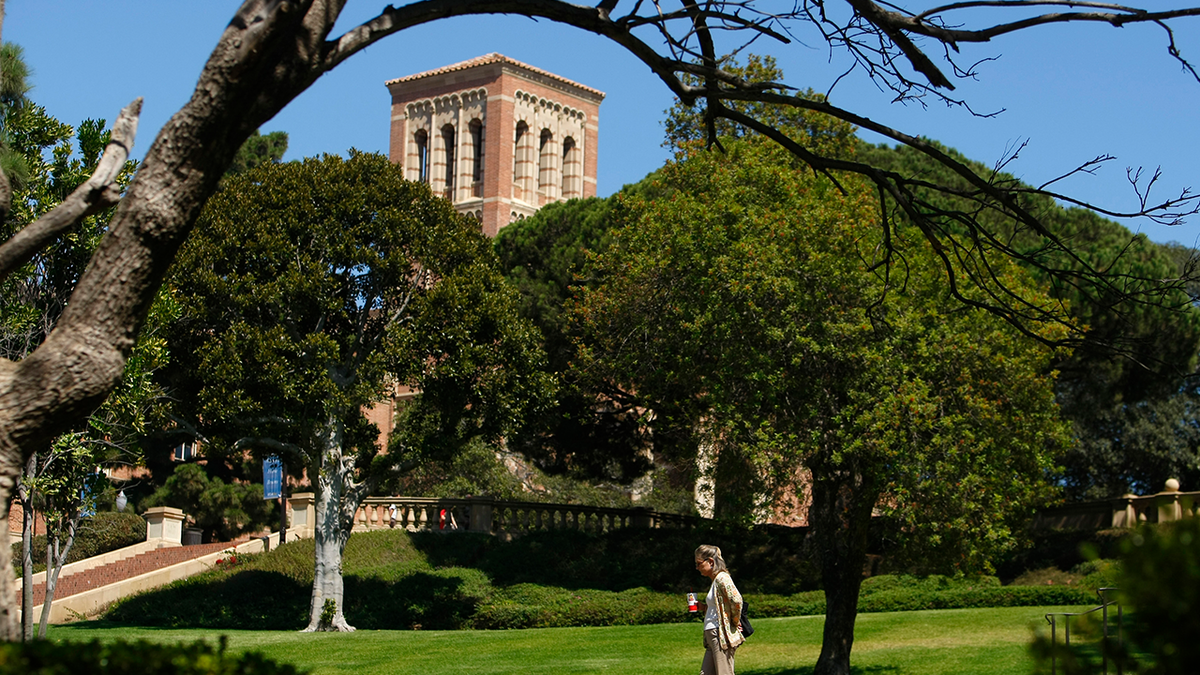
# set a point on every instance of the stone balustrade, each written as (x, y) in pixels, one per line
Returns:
(1165, 506)
(492, 516)
(1127, 511)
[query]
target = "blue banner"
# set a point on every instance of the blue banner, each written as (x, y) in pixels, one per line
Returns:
(272, 477)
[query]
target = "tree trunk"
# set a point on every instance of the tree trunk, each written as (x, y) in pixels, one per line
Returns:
(25, 497)
(840, 519)
(337, 501)
(27, 561)
(54, 564)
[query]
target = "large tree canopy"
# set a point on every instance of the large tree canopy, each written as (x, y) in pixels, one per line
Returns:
(309, 291)
(746, 307)
(272, 50)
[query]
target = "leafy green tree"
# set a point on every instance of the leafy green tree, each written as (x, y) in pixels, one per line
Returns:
(1158, 585)
(13, 88)
(1126, 386)
(66, 481)
(272, 51)
(55, 158)
(589, 433)
(222, 510)
(745, 307)
(692, 124)
(259, 149)
(311, 289)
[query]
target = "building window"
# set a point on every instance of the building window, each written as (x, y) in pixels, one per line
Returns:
(547, 176)
(523, 164)
(184, 452)
(421, 138)
(448, 144)
(476, 129)
(572, 170)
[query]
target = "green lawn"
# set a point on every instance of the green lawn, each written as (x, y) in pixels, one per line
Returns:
(958, 642)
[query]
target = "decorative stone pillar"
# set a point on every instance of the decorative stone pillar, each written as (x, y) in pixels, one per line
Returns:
(1123, 512)
(1167, 502)
(303, 514)
(642, 518)
(165, 524)
(481, 514)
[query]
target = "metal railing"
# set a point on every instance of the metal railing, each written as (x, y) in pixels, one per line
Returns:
(1105, 603)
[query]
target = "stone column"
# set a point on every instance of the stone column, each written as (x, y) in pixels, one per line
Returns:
(481, 514)
(304, 514)
(165, 524)
(642, 518)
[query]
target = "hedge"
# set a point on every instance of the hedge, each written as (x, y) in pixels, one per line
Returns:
(103, 532)
(42, 657)
(430, 581)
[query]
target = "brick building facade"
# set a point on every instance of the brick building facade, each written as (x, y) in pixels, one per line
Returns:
(496, 137)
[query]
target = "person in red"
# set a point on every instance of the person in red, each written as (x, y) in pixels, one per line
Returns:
(722, 613)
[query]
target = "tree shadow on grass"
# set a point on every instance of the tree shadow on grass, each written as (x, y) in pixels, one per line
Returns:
(438, 601)
(249, 599)
(808, 670)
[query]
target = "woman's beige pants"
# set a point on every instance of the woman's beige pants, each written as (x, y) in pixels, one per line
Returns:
(716, 662)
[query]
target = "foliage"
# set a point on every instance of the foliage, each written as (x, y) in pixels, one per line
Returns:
(1159, 586)
(1125, 388)
(106, 531)
(63, 481)
(259, 149)
(43, 657)
(58, 158)
(397, 580)
(742, 300)
(13, 88)
(476, 470)
(299, 314)
(586, 435)
(687, 125)
(294, 311)
(223, 510)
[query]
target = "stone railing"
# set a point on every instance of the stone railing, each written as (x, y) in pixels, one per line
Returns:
(1127, 511)
(492, 516)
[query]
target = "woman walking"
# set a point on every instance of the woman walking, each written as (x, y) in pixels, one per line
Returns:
(722, 615)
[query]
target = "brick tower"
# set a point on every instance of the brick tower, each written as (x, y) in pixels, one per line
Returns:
(496, 137)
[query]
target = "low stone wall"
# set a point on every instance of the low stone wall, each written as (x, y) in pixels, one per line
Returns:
(492, 516)
(1126, 511)
(90, 603)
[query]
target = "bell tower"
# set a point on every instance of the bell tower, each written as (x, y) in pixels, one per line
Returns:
(498, 138)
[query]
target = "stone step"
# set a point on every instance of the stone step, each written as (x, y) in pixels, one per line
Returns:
(104, 575)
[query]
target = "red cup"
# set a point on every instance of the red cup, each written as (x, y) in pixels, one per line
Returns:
(692, 606)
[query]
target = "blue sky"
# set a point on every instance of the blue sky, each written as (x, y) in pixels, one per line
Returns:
(1072, 92)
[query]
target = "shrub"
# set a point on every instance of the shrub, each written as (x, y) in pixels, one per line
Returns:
(397, 580)
(222, 510)
(99, 534)
(132, 658)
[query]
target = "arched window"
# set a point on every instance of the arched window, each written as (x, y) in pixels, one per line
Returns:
(476, 129)
(421, 140)
(523, 165)
(572, 169)
(547, 174)
(448, 146)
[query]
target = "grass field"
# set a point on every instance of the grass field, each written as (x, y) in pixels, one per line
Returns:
(959, 642)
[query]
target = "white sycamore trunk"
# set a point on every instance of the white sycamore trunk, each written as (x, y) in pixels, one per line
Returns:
(337, 500)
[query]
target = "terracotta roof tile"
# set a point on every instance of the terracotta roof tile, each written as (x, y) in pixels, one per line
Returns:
(488, 59)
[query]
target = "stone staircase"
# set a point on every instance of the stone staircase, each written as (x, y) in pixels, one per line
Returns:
(86, 587)
(73, 583)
